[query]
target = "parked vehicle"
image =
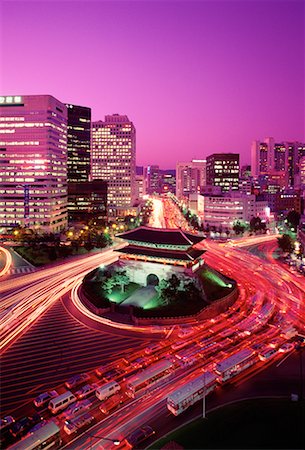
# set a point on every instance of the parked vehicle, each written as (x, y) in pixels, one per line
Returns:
(112, 403)
(61, 402)
(22, 426)
(76, 380)
(76, 408)
(140, 435)
(6, 421)
(44, 398)
(86, 390)
(107, 390)
(72, 426)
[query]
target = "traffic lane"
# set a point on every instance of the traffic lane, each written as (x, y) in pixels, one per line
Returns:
(53, 349)
(273, 381)
(94, 325)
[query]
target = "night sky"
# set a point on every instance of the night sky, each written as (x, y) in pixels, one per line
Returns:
(194, 77)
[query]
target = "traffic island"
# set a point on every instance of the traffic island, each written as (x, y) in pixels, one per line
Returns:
(160, 278)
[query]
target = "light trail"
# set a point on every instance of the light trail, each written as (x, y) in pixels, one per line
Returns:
(8, 261)
(40, 290)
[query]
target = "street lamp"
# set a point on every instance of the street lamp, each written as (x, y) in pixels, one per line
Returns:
(114, 441)
(203, 398)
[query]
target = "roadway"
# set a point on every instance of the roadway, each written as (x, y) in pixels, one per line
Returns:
(53, 346)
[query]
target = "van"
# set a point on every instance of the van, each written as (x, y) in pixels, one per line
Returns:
(61, 402)
(107, 390)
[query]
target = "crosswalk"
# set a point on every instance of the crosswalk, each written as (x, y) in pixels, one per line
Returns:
(21, 270)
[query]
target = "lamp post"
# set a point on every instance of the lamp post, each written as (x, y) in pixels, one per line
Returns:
(203, 398)
(114, 441)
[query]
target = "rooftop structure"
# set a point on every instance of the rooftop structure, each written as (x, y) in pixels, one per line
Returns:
(159, 245)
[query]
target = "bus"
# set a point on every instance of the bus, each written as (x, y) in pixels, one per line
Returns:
(148, 377)
(45, 437)
(188, 394)
(234, 364)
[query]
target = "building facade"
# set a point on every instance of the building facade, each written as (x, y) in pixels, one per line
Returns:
(223, 211)
(282, 159)
(87, 201)
(113, 159)
(152, 177)
(33, 162)
(78, 143)
(222, 169)
(190, 177)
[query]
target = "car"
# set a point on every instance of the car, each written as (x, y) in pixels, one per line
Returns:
(22, 426)
(86, 390)
(44, 398)
(38, 426)
(111, 403)
(76, 408)
(140, 435)
(76, 380)
(186, 332)
(71, 426)
(100, 370)
(152, 348)
(112, 374)
(6, 421)
(287, 347)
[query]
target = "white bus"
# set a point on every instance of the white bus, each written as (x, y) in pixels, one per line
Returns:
(148, 377)
(236, 363)
(188, 394)
(45, 437)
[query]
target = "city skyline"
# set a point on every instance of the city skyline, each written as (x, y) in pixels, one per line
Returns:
(193, 77)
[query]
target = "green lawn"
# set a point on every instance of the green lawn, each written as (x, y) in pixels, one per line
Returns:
(251, 424)
(214, 286)
(118, 296)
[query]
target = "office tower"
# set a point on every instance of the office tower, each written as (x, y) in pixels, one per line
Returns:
(78, 143)
(268, 158)
(262, 156)
(87, 201)
(168, 181)
(140, 189)
(223, 170)
(152, 175)
(33, 162)
(190, 177)
(113, 158)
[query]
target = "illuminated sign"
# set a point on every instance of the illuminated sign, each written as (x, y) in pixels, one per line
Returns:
(10, 100)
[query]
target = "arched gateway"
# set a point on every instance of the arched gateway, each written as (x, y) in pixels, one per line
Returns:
(152, 280)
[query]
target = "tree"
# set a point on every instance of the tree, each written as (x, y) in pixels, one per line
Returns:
(293, 219)
(285, 243)
(168, 289)
(121, 278)
(239, 227)
(109, 284)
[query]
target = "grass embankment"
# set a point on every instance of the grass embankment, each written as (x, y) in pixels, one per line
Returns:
(250, 424)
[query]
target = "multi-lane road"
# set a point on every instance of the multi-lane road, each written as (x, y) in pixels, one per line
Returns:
(47, 337)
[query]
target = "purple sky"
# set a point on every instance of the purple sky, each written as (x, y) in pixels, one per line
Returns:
(194, 77)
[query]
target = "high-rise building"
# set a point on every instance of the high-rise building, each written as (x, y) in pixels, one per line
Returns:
(262, 156)
(168, 181)
(222, 170)
(270, 158)
(190, 177)
(33, 162)
(78, 143)
(87, 201)
(152, 175)
(113, 159)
